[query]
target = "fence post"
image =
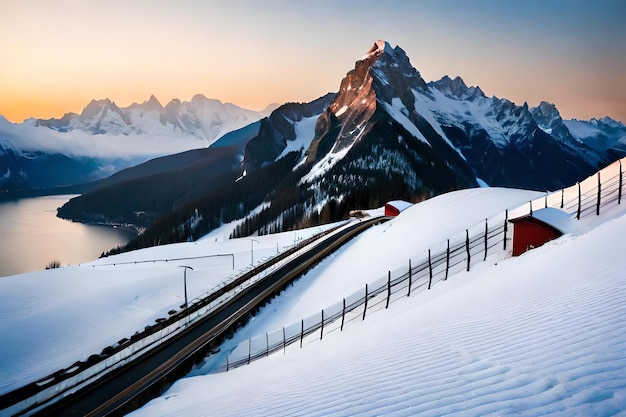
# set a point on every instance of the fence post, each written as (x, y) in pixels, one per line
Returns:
(284, 342)
(619, 191)
(599, 193)
(578, 212)
(249, 350)
(562, 197)
(467, 248)
(506, 226)
(531, 207)
(545, 205)
(388, 288)
(486, 232)
(447, 260)
(410, 279)
(227, 364)
(322, 330)
(301, 333)
(365, 308)
(430, 270)
(343, 314)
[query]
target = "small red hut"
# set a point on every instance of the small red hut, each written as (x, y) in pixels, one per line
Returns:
(538, 228)
(393, 208)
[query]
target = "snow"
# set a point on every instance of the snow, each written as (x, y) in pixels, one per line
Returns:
(581, 130)
(441, 109)
(116, 296)
(342, 110)
(325, 164)
(556, 218)
(28, 137)
(398, 111)
(198, 124)
(401, 205)
(531, 335)
(305, 132)
(379, 47)
(370, 255)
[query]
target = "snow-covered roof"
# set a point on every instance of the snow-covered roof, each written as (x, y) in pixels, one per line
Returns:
(401, 205)
(557, 218)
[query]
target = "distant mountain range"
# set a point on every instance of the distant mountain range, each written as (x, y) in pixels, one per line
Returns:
(104, 138)
(203, 118)
(387, 134)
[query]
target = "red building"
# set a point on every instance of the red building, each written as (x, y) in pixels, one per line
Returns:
(542, 226)
(393, 208)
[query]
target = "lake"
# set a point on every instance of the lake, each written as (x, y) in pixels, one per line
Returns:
(32, 236)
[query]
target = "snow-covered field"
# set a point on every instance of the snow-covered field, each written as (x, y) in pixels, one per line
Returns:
(541, 334)
(50, 319)
(535, 335)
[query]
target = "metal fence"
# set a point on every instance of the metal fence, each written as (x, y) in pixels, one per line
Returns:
(459, 253)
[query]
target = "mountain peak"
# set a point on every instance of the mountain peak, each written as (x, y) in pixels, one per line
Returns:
(148, 105)
(383, 75)
(153, 101)
(456, 88)
(378, 48)
(95, 107)
(608, 122)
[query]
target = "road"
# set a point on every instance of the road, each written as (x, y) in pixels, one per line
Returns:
(134, 384)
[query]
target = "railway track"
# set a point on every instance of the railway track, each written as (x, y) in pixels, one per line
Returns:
(132, 385)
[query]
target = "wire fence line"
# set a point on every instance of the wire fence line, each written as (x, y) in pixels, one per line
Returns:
(455, 255)
(166, 260)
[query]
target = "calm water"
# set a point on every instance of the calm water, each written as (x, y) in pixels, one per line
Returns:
(32, 236)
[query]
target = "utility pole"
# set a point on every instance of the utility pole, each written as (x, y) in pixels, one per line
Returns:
(252, 250)
(185, 282)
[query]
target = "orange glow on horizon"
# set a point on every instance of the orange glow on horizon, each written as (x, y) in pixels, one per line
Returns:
(65, 53)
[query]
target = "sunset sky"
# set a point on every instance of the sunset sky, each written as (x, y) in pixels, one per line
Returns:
(55, 56)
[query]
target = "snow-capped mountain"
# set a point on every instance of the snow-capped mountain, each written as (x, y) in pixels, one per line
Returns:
(203, 118)
(280, 130)
(387, 134)
(25, 171)
(502, 143)
(604, 135)
(105, 138)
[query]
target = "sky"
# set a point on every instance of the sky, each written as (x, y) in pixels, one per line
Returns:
(57, 56)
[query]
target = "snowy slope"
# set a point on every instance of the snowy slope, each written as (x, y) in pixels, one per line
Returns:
(117, 300)
(601, 134)
(532, 335)
(114, 301)
(528, 336)
(305, 132)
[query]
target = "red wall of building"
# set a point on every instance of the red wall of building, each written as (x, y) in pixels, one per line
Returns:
(391, 210)
(529, 234)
